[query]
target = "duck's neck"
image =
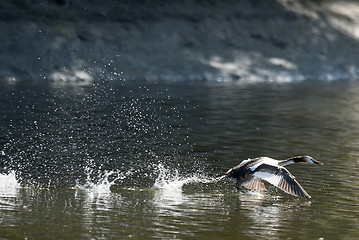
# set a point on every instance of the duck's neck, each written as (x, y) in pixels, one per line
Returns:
(290, 161)
(285, 162)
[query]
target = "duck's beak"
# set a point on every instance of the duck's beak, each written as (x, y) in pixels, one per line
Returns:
(317, 162)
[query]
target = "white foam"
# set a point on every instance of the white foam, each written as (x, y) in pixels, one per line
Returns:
(102, 185)
(171, 180)
(8, 184)
(169, 186)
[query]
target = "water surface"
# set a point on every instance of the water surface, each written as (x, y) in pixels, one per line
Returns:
(134, 160)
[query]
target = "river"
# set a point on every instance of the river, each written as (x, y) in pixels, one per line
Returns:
(135, 160)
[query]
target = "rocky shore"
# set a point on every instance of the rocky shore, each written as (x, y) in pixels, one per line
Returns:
(268, 40)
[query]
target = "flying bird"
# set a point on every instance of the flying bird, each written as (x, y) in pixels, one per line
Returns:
(250, 173)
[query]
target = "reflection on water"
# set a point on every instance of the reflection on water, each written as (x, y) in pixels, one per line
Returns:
(138, 160)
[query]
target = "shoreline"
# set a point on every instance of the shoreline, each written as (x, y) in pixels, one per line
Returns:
(280, 41)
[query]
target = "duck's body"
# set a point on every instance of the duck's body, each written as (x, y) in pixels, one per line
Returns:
(249, 174)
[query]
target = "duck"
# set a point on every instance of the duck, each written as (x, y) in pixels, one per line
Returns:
(250, 173)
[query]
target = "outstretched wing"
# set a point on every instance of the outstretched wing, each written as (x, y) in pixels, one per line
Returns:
(281, 178)
(256, 184)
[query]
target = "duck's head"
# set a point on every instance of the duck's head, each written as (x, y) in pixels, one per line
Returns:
(307, 159)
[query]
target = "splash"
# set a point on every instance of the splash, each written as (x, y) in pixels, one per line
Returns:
(173, 188)
(103, 183)
(170, 182)
(8, 184)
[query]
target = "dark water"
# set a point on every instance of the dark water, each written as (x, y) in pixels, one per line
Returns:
(134, 160)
